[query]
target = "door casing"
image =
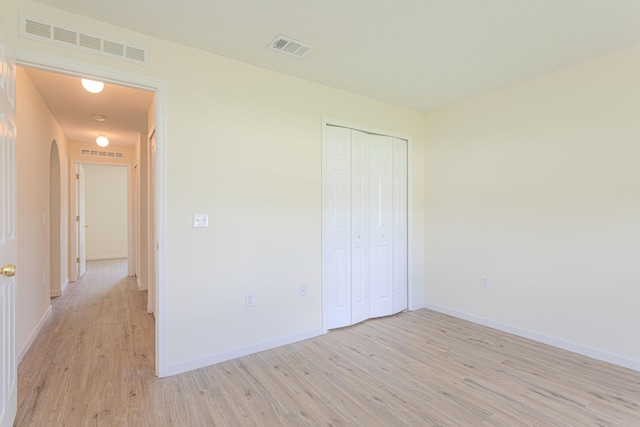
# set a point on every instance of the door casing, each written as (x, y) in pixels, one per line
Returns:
(56, 64)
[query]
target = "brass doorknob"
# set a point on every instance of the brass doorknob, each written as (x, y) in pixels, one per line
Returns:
(8, 270)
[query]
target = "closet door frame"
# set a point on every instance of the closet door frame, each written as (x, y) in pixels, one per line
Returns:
(326, 121)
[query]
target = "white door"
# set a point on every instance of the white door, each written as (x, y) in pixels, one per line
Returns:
(336, 225)
(81, 221)
(153, 250)
(364, 226)
(381, 218)
(360, 265)
(400, 230)
(8, 242)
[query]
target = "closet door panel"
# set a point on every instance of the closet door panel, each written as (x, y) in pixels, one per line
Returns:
(359, 227)
(381, 225)
(400, 230)
(336, 201)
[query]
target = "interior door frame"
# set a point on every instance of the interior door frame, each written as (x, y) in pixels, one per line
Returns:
(57, 64)
(75, 231)
(328, 121)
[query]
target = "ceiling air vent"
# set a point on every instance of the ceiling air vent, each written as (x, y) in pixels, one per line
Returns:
(63, 35)
(104, 154)
(290, 46)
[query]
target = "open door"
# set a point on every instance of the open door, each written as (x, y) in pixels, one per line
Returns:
(8, 238)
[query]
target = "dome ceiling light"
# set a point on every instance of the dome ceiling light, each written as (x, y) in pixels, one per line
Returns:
(92, 86)
(102, 141)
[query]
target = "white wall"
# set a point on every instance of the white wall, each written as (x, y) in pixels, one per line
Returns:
(106, 211)
(244, 145)
(36, 131)
(537, 187)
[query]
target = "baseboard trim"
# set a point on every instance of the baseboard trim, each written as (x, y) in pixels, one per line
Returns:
(573, 347)
(35, 333)
(417, 306)
(141, 286)
(59, 292)
(201, 362)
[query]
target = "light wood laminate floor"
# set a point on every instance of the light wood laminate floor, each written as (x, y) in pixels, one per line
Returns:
(92, 365)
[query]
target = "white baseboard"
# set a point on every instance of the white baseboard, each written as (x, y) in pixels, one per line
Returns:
(141, 286)
(59, 292)
(417, 306)
(583, 350)
(34, 334)
(201, 362)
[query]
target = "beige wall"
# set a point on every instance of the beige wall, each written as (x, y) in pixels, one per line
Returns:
(244, 145)
(534, 186)
(106, 211)
(36, 131)
(537, 187)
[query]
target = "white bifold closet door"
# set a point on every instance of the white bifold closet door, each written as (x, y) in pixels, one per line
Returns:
(364, 226)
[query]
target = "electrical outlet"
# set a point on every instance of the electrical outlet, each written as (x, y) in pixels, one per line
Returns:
(484, 282)
(303, 291)
(44, 280)
(200, 220)
(248, 300)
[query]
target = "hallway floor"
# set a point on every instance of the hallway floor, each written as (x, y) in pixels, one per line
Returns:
(94, 358)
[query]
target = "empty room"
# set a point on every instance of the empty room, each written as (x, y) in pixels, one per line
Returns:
(337, 213)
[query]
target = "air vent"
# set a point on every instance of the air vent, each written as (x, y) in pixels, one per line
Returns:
(290, 46)
(62, 35)
(103, 154)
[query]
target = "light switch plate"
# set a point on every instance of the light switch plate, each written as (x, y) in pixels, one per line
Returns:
(200, 220)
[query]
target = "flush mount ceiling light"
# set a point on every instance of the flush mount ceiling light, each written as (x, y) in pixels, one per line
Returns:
(99, 117)
(92, 86)
(102, 141)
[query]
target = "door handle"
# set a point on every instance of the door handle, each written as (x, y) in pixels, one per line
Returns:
(8, 270)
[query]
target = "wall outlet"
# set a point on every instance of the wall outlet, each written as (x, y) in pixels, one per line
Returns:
(303, 291)
(44, 280)
(484, 282)
(200, 220)
(248, 300)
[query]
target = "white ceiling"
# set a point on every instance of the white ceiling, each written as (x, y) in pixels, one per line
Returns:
(422, 54)
(125, 109)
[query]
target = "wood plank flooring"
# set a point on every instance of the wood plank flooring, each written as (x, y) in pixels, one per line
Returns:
(92, 365)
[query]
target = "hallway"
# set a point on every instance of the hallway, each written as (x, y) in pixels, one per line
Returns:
(93, 358)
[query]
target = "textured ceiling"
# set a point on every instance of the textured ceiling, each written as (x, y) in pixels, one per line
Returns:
(422, 54)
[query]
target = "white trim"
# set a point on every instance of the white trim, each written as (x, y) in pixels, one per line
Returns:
(60, 292)
(35, 332)
(330, 121)
(73, 232)
(193, 364)
(141, 286)
(418, 305)
(571, 346)
(62, 65)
